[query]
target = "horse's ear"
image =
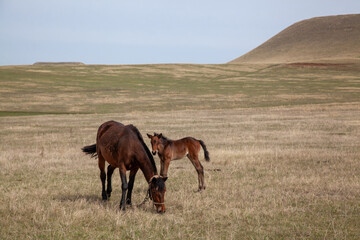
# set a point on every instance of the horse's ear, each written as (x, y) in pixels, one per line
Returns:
(164, 178)
(149, 135)
(153, 180)
(160, 135)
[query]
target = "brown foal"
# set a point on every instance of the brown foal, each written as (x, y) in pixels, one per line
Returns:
(169, 150)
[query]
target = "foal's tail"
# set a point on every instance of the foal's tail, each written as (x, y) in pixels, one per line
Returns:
(206, 153)
(91, 149)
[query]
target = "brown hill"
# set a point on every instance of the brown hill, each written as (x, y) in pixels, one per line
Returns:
(58, 63)
(315, 39)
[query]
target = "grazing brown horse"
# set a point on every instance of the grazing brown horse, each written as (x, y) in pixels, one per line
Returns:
(176, 149)
(123, 147)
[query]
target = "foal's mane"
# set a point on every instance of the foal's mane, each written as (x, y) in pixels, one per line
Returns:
(163, 138)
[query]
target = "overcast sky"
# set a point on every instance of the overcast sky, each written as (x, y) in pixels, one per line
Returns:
(142, 32)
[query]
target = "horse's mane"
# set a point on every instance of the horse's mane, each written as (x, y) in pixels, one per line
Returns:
(135, 130)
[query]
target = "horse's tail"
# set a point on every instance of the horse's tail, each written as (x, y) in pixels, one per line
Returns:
(206, 153)
(91, 149)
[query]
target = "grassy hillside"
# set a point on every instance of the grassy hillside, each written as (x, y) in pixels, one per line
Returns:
(283, 142)
(334, 38)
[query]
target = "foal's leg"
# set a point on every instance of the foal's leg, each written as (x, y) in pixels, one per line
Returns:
(110, 172)
(124, 185)
(131, 185)
(164, 167)
(199, 169)
(102, 175)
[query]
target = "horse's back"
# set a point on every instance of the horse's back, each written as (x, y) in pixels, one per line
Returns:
(108, 127)
(183, 146)
(116, 141)
(112, 132)
(189, 141)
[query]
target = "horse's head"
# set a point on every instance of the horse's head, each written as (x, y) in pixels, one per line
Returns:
(157, 191)
(155, 141)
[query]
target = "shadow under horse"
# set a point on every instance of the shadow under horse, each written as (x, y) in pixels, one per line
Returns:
(123, 147)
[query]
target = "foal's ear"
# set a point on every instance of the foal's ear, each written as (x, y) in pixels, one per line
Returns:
(149, 135)
(160, 135)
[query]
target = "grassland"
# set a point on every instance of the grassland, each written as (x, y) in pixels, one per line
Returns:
(283, 141)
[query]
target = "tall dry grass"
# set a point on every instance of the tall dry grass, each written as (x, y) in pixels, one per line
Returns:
(275, 173)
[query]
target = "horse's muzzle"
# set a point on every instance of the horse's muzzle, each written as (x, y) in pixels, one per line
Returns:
(154, 153)
(161, 209)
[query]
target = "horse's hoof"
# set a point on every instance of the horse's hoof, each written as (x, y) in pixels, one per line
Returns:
(109, 191)
(104, 196)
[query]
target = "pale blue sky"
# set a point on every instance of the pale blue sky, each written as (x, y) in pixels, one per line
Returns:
(142, 32)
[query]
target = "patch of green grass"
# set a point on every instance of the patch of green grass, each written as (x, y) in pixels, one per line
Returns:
(87, 88)
(4, 113)
(7, 114)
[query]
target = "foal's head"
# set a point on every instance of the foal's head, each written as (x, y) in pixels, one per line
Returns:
(157, 191)
(155, 141)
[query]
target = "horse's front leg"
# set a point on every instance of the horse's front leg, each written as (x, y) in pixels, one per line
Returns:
(131, 185)
(124, 186)
(165, 162)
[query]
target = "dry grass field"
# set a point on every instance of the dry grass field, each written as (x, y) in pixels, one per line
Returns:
(283, 142)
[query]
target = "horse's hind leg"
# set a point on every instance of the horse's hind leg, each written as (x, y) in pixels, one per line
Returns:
(102, 175)
(199, 169)
(110, 171)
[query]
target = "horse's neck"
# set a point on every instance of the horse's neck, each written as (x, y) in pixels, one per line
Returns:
(147, 168)
(148, 172)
